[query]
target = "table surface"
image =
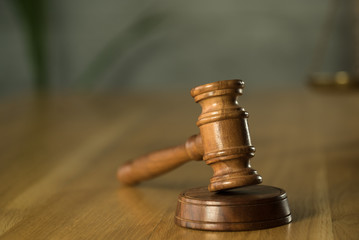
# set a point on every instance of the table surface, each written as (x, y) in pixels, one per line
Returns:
(59, 155)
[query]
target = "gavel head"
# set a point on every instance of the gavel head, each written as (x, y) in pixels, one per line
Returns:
(225, 136)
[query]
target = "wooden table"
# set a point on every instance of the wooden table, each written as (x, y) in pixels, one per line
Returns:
(58, 159)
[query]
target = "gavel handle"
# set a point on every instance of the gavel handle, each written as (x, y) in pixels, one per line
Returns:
(158, 162)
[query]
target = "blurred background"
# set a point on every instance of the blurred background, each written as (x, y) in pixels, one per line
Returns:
(117, 76)
(102, 46)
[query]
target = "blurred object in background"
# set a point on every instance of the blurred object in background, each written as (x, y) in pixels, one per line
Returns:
(102, 46)
(341, 80)
(33, 17)
(338, 81)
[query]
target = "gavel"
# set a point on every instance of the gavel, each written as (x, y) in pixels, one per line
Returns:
(224, 142)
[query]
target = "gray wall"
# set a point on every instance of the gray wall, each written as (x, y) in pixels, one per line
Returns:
(147, 45)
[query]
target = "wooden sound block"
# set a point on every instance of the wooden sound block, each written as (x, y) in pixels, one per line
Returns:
(246, 208)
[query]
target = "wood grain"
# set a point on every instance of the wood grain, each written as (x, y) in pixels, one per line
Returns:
(246, 208)
(160, 161)
(58, 161)
(225, 136)
(224, 142)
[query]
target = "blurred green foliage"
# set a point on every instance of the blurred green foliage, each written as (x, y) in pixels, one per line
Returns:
(117, 46)
(33, 16)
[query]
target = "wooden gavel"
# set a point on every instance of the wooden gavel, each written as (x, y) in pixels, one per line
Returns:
(224, 142)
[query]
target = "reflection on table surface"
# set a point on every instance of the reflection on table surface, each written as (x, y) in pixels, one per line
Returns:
(59, 157)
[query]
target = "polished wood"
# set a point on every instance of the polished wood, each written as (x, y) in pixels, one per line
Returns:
(226, 146)
(59, 157)
(246, 208)
(224, 142)
(161, 161)
(225, 136)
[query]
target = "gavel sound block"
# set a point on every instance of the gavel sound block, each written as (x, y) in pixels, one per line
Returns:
(224, 144)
